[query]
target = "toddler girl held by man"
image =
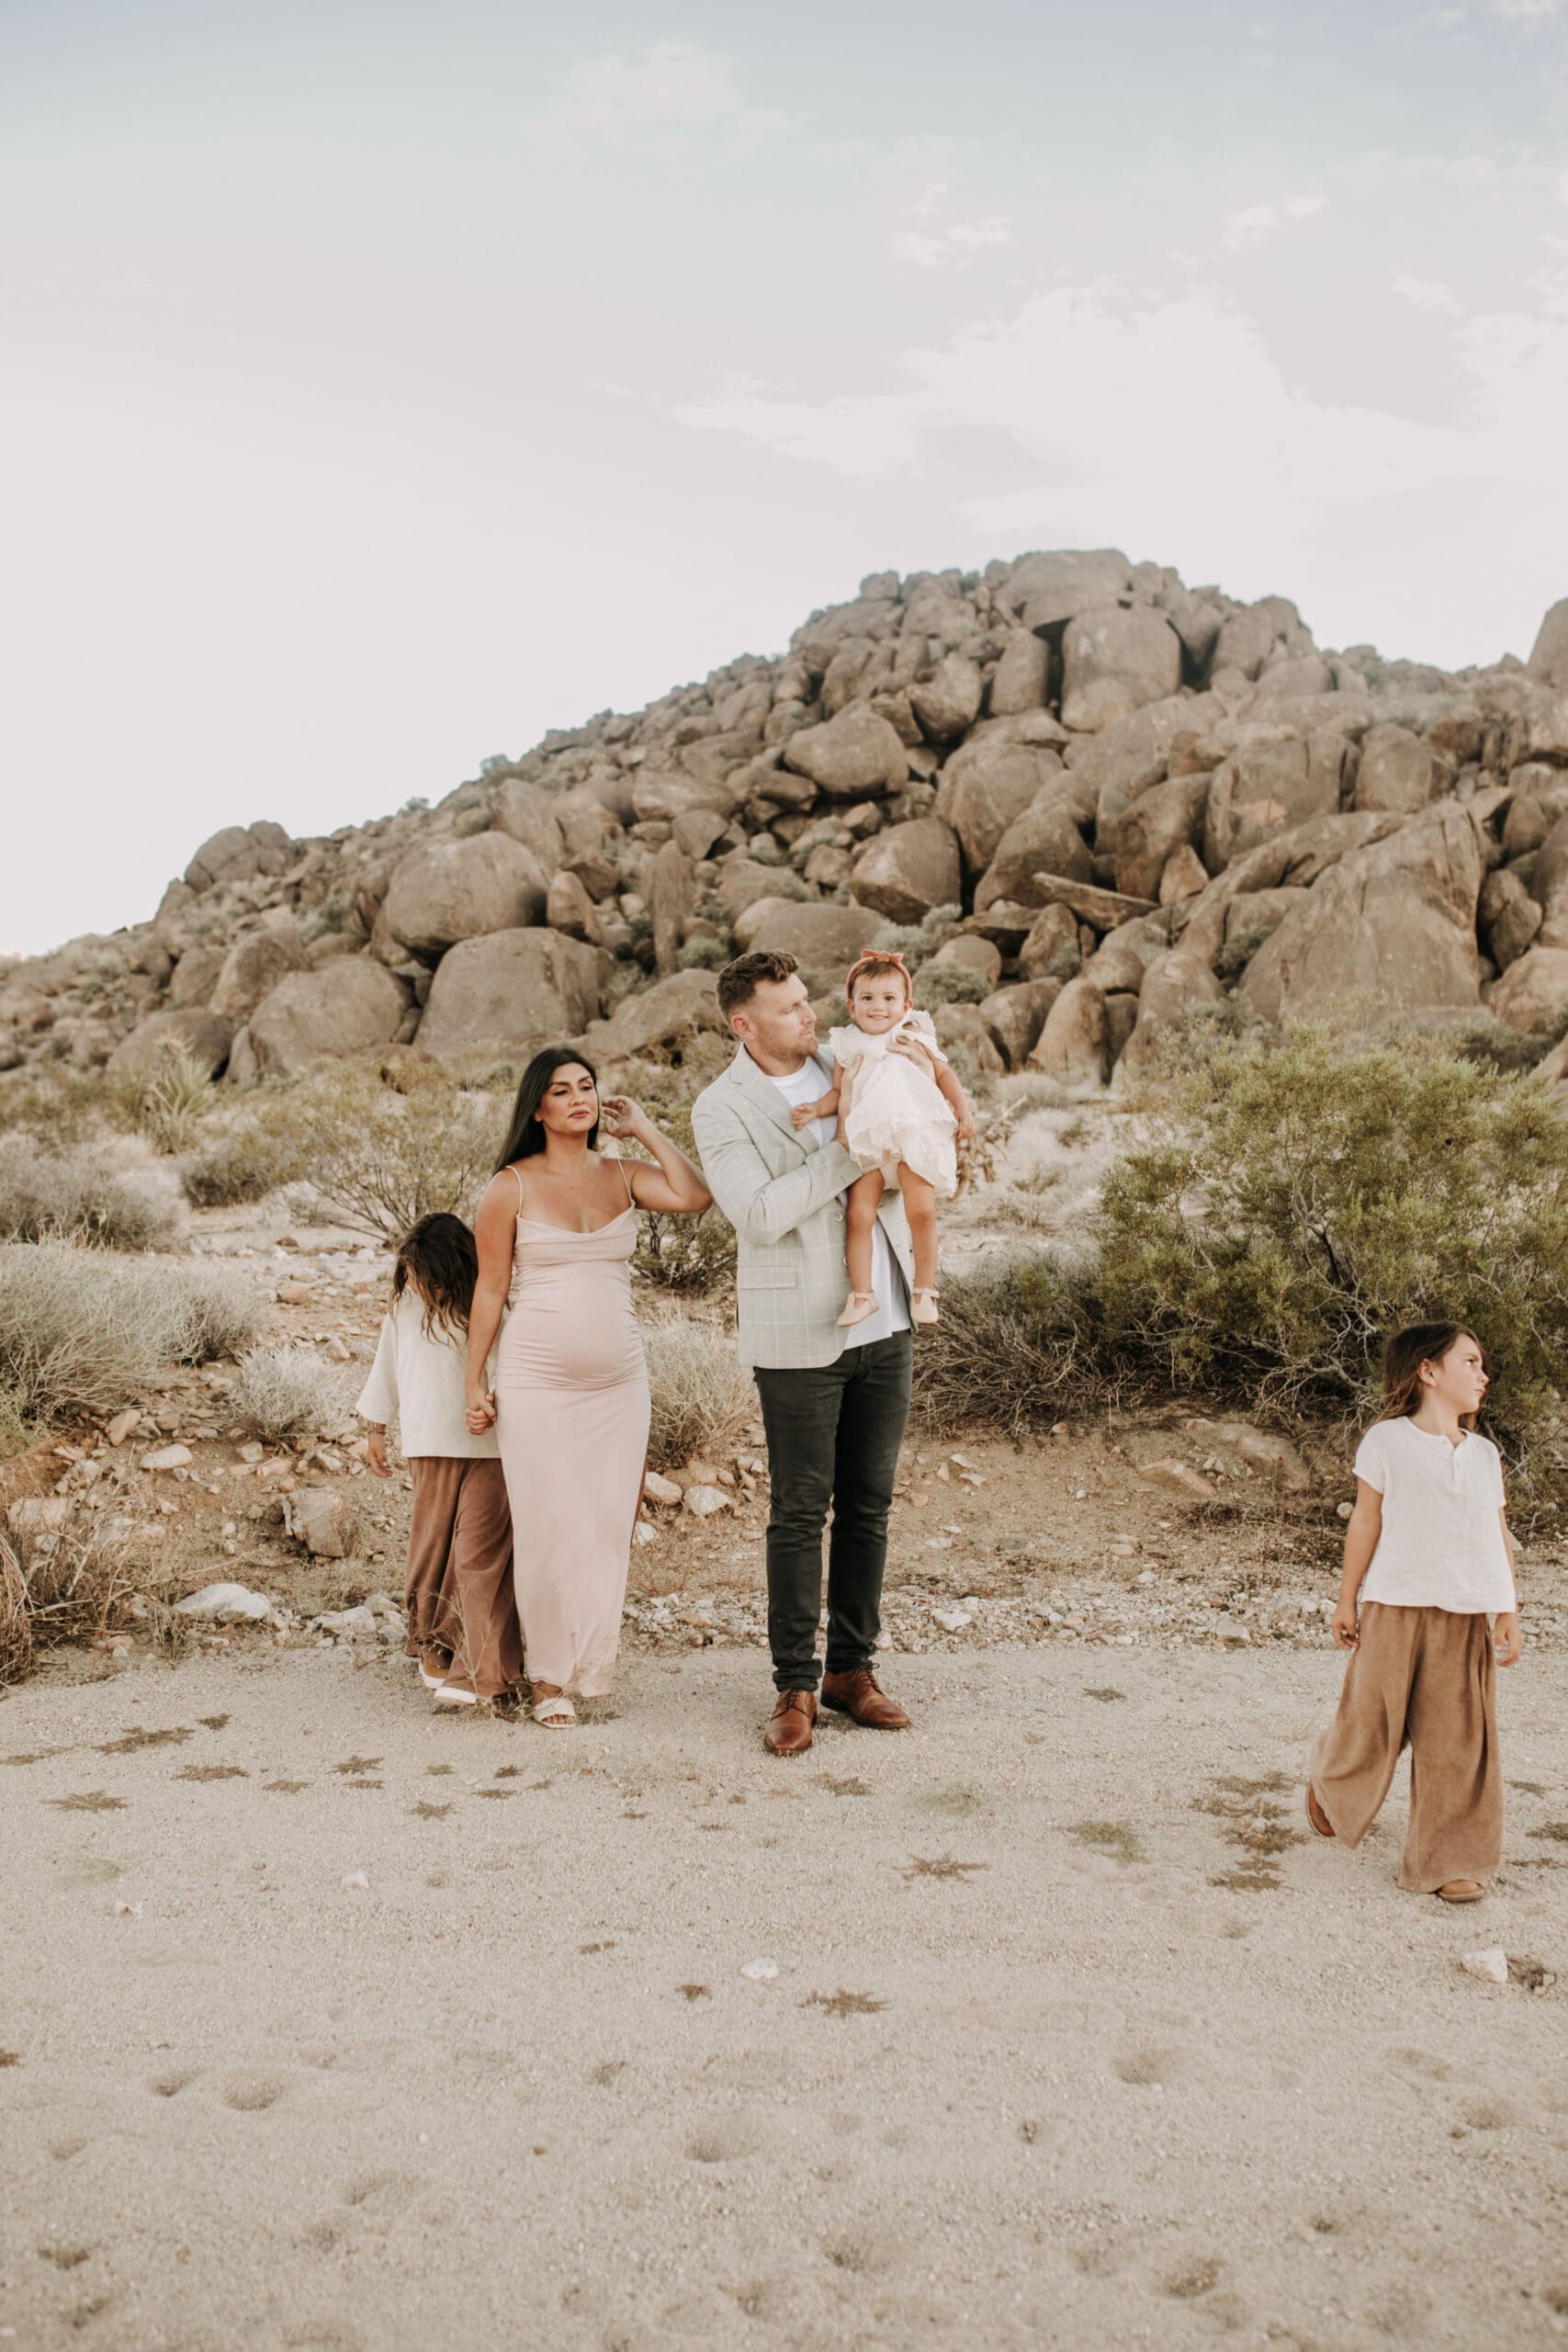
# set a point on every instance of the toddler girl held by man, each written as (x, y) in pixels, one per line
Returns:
(1429, 1610)
(462, 1612)
(901, 1113)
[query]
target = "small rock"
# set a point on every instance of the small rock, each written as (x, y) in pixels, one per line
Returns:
(120, 1428)
(346, 1621)
(952, 1620)
(354, 1878)
(699, 1473)
(1179, 1478)
(761, 1971)
(320, 1519)
(644, 1533)
(335, 1353)
(962, 1462)
(293, 1293)
(1491, 1965)
(1343, 1510)
(703, 1502)
(659, 1490)
(224, 1602)
(168, 1457)
(126, 1910)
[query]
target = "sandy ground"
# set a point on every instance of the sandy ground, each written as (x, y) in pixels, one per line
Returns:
(1072, 2041)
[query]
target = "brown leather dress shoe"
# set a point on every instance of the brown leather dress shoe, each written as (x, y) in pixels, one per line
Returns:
(789, 1726)
(857, 1696)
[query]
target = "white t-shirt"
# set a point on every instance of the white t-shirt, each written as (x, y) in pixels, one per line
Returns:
(804, 1085)
(417, 1380)
(1441, 1544)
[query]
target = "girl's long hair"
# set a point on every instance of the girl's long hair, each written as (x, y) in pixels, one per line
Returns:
(438, 1259)
(525, 1135)
(1402, 1357)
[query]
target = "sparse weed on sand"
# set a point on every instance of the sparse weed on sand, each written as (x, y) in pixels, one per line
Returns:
(86, 1331)
(285, 1394)
(702, 1397)
(110, 1196)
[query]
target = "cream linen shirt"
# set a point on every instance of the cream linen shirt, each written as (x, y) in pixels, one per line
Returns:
(1441, 1544)
(417, 1380)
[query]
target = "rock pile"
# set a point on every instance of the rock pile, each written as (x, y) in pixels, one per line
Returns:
(1141, 797)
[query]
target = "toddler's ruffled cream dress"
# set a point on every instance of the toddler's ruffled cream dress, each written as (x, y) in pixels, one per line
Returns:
(897, 1112)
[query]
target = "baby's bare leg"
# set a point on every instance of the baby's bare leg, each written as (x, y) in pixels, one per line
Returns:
(860, 1212)
(919, 1207)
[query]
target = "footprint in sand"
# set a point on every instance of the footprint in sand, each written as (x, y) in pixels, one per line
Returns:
(1148, 2066)
(726, 2142)
(169, 2084)
(252, 2094)
(65, 2257)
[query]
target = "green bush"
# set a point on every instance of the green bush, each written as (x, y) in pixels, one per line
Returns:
(940, 984)
(1021, 1340)
(1308, 1198)
(703, 955)
(917, 942)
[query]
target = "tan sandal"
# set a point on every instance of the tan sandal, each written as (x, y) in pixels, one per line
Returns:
(555, 1714)
(1316, 1815)
(861, 1304)
(922, 1306)
(1461, 1890)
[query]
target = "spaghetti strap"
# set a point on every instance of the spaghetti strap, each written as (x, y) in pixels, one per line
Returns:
(518, 1182)
(631, 1196)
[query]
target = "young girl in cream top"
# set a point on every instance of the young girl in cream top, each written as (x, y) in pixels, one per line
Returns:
(1428, 1611)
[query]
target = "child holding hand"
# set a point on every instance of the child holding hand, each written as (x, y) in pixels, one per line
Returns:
(1428, 1566)
(902, 1107)
(462, 1616)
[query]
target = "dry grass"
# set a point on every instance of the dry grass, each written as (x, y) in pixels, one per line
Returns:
(702, 1397)
(109, 1195)
(88, 1332)
(285, 1395)
(70, 1584)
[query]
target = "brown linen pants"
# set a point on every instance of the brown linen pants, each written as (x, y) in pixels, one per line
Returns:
(458, 1592)
(1428, 1676)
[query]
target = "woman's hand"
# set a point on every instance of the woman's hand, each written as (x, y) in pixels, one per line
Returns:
(480, 1414)
(620, 1116)
(1345, 1627)
(376, 1451)
(1510, 1637)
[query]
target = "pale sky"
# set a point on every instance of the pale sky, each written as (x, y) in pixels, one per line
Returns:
(383, 383)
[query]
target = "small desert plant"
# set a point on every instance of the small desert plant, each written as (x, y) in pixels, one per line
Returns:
(177, 1090)
(64, 1106)
(285, 1395)
(88, 1332)
(939, 984)
(381, 1144)
(1020, 1338)
(105, 1194)
(65, 1584)
(702, 1397)
(916, 942)
(1309, 1198)
(703, 955)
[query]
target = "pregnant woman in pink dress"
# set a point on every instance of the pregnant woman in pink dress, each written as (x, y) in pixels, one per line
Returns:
(556, 1230)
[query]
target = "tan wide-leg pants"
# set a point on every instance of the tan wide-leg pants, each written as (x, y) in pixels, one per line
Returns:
(458, 1591)
(1429, 1677)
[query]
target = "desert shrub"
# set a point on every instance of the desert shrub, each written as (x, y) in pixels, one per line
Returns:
(1307, 1199)
(681, 1253)
(105, 1194)
(88, 1332)
(65, 1583)
(230, 1164)
(940, 984)
(64, 1107)
(703, 1397)
(176, 1091)
(916, 942)
(285, 1395)
(703, 955)
(221, 1311)
(1021, 1338)
(378, 1144)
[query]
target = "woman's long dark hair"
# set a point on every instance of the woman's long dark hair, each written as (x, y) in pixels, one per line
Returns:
(1405, 1354)
(525, 1136)
(439, 1259)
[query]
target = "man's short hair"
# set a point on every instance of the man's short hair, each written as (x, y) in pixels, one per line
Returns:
(738, 982)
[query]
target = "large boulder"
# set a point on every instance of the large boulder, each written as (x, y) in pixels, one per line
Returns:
(1174, 987)
(1291, 677)
(1164, 819)
(1020, 679)
(525, 813)
(1115, 661)
(193, 1034)
(1295, 858)
(909, 869)
(1045, 590)
(1386, 928)
(1046, 839)
(743, 881)
(449, 891)
(509, 992)
(1509, 917)
(822, 936)
(253, 968)
(1051, 950)
(1251, 917)
(235, 853)
(569, 908)
(1016, 1016)
(1532, 994)
(1269, 787)
(195, 977)
(1397, 771)
(352, 1006)
(965, 1026)
(851, 756)
(988, 784)
(668, 1014)
(1074, 1045)
(1548, 655)
(1547, 880)
(668, 903)
(948, 702)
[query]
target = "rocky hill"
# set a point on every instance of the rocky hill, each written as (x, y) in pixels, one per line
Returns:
(1141, 797)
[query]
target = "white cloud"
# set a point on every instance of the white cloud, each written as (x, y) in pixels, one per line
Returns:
(671, 85)
(1524, 12)
(925, 250)
(1259, 224)
(1428, 294)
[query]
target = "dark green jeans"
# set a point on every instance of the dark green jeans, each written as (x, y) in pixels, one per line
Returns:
(833, 1438)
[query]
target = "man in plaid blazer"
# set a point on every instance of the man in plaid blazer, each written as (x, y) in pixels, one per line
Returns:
(834, 1402)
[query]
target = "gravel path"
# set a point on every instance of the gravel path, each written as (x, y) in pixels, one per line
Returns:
(1069, 2043)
